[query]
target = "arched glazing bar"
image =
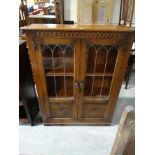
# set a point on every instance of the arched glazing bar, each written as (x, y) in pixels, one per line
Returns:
(63, 49)
(64, 55)
(103, 77)
(97, 50)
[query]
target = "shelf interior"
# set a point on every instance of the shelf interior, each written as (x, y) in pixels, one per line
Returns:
(60, 86)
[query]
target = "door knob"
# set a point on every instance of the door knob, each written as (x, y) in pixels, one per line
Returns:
(81, 85)
(76, 84)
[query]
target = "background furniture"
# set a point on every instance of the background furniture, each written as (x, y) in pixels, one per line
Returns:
(94, 11)
(126, 15)
(23, 14)
(126, 12)
(36, 12)
(59, 11)
(124, 143)
(42, 19)
(28, 102)
(130, 68)
(78, 70)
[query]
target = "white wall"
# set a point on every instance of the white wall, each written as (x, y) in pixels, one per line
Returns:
(70, 10)
(115, 12)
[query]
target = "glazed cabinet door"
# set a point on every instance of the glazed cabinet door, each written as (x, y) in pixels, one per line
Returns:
(58, 71)
(97, 70)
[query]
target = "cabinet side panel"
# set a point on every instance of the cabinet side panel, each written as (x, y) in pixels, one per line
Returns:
(121, 64)
(35, 71)
(42, 80)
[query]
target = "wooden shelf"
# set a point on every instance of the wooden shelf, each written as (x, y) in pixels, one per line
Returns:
(100, 74)
(58, 74)
(71, 74)
(61, 99)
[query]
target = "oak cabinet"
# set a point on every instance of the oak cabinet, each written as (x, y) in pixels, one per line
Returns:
(78, 70)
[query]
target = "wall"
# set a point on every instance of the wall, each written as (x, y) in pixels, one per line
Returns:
(116, 11)
(70, 10)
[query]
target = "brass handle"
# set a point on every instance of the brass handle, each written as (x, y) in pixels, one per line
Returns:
(81, 85)
(76, 84)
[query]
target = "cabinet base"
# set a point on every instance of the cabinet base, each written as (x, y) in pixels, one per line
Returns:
(77, 122)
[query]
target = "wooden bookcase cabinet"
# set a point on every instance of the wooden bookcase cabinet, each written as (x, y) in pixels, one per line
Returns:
(78, 70)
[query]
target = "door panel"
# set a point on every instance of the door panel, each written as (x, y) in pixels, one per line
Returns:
(98, 70)
(58, 72)
(100, 66)
(91, 110)
(58, 65)
(61, 110)
(60, 89)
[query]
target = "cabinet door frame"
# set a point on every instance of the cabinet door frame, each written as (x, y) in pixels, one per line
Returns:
(123, 53)
(119, 72)
(42, 84)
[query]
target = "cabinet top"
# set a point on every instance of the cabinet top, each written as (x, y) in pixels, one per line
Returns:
(65, 27)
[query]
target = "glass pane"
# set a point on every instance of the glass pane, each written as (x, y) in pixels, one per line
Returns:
(101, 60)
(95, 90)
(96, 60)
(58, 59)
(58, 63)
(60, 90)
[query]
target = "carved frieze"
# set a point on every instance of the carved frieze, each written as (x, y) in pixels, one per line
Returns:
(81, 34)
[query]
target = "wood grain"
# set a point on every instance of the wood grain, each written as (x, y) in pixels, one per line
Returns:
(97, 108)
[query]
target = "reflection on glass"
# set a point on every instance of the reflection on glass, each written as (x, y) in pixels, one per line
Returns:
(101, 61)
(58, 62)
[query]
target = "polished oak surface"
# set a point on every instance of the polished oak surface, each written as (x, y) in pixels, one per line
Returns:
(78, 70)
(59, 27)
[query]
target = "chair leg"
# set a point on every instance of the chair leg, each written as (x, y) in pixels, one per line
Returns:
(127, 80)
